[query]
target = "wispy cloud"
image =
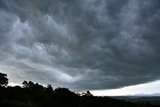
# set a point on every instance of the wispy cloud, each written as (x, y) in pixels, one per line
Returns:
(80, 44)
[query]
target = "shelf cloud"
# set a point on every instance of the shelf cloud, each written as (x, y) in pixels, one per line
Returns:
(80, 44)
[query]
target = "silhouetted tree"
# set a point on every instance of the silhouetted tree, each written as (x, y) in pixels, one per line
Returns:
(29, 84)
(3, 79)
(25, 84)
(49, 88)
(88, 93)
(32, 86)
(63, 92)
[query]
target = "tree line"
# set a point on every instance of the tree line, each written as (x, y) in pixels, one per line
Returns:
(35, 95)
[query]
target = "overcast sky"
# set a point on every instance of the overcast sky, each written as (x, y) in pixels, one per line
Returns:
(80, 44)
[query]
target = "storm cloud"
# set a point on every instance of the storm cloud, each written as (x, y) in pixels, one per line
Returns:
(80, 44)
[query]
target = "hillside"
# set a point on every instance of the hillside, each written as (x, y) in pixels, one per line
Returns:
(35, 95)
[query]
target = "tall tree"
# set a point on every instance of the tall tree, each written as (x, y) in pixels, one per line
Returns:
(3, 79)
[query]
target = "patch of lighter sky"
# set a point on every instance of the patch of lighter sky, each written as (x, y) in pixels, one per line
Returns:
(141, 89)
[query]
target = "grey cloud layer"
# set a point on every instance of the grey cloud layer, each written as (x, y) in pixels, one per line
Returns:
(80, 44)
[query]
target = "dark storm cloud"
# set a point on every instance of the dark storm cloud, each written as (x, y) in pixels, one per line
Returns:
(80, 44)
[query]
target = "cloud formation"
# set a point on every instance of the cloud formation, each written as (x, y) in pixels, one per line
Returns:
(80, 44)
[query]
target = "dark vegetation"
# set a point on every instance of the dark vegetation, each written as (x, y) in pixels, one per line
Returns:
(35, 95)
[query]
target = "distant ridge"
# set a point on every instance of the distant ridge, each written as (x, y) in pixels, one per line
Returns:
(153, 94)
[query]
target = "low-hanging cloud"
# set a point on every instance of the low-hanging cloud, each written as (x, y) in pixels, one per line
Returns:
(80, 44)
